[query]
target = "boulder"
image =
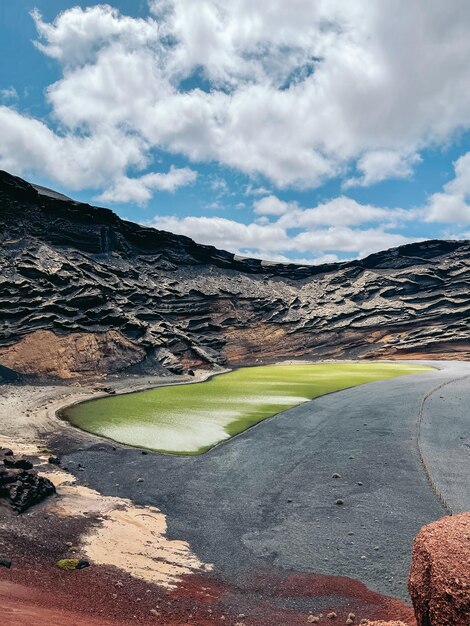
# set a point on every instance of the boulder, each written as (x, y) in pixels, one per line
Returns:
(439, 582)
(20, 484)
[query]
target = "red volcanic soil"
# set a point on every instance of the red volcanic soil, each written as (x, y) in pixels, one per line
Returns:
(36, 592)
(99, 596)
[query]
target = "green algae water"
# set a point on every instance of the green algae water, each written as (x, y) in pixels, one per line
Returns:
(191, 419)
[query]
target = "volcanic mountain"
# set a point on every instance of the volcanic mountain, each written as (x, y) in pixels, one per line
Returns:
(83, 292)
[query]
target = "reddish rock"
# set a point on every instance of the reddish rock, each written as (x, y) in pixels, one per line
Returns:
(439, 582)
(43, 353)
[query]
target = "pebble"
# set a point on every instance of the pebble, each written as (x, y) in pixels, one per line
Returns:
(339, 501)
(335, 475)
(313, 619)
(331, 615)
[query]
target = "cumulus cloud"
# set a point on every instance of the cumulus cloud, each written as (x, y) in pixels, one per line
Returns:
(225, 233)
(140, 190)
(453, 204)
(320, 236)
(380, 165)
(297, 93)
(271, 205)
(342, 211)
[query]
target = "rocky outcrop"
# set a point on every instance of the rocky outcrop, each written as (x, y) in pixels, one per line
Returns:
(45, 354)
(79, 273)
(439, 582)
(20, 484)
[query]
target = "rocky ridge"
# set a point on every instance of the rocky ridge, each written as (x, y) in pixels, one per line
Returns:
(84, 292)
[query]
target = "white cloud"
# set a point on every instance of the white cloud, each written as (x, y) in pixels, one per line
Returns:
(296, 93)
(453, 204)
(380, 165)
(270, 240)
(345, 239)
(341, 211)
(76, 161)
(140, 190)
(8, 93)
(224, 233)
(271, 205)
(77, 35)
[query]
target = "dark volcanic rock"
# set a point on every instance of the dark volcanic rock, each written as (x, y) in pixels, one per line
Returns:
(82, 291)
(20, 485)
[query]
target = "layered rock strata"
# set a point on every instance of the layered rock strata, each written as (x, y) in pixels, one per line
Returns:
(93, 293)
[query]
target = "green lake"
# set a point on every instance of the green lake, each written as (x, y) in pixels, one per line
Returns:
(191, 419)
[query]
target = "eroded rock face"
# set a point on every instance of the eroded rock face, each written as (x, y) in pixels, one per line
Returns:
(439, 582)
(20, 484)
(72, 269)
(45, 354)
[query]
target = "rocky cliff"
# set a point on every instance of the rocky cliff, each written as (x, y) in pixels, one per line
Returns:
(84, 292)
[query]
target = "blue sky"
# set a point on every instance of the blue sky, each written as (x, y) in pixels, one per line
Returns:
(291, 131)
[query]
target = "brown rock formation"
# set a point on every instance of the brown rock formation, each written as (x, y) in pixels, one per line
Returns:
(439, 582)
(45, 354)
(81, 272)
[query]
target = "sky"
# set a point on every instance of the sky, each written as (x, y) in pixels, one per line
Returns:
(307, 131)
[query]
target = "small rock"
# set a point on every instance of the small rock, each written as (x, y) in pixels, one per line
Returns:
(54, 460)
(360, 483)
(339, 502)
(72, 564)
(313, 619)
(351, 618)
(18, 464)
(335, 475)
(5, 563)
(331, 615)
(144, 452)
(155, 612)
(140, 480)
